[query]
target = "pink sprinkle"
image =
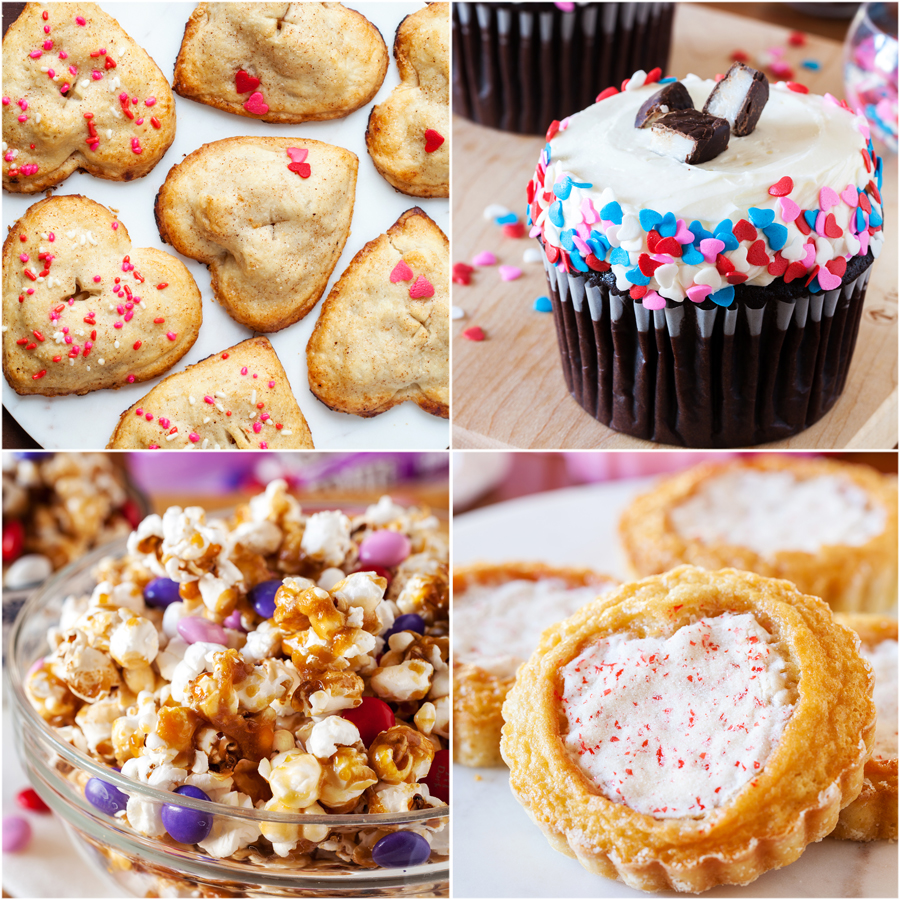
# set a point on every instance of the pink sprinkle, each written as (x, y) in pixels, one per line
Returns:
(164, 422)
(257, 428)
(123, 97)
(138, 121)
(96, 279)
(96, 75)
(73, 71)
(652, 300)
(699, 292)
(115, 226)
(130, 379)
(23, 118)
(48, 45)
(134, 100)
(24, 257)
(244, 370)
(35, 54)
(80, 20)
(46, 29)
(51, 73)
(510, 273)
(117, 325)
(51, 237)
(23, 104)
(193, 437)
(9, 157)
(263, 445)
(150, 101)
(120, 310)
(102, 51)
(6, 101)
(171, 335)
(65, 87)
(485, 258)
(63, 54)
(68, 339)
(138, 412)
(149, 417)
(129, 316)
(208, 399)
(153, 447)
(271, 383)
(255, 375)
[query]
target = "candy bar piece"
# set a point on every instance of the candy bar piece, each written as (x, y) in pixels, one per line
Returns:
(739, 97)
(690, 136)
(673, 96)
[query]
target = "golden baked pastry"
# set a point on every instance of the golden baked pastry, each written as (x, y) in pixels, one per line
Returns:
(294, 62)
(83, 309)
(268, 216)
(692, 729)
(408, 136)
(499, 612)
(383, 334)
(239, 399)
(872, 816)
(828, 526)
(79, 94)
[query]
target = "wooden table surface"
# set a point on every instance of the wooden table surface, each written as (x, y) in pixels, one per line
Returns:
(508, 391)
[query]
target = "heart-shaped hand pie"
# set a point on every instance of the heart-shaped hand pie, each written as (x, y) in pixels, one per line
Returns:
(79, 93)
(83, 309)
(380, 339)
(407, 133)
(303, 63)
(239, 399)
(270, 236)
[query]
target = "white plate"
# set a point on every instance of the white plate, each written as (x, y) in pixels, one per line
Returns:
(498, 851)
(87, 422)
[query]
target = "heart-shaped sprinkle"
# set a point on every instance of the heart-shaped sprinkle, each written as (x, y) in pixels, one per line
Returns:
(256, 104)
(789, 209)
(809, 216)
(649, 219)
(589, 214)
(736, 278)
(668, 227)
(486, 258)
(402, 272)
(782, 187)
(864, 203)
(297, 154)
(648, 266)
(827, 198)
(761, 217)
(652, 300)
(301, 168)
(244, 82)
(421, 287)
(809, 256)
(637, 291)
(827, 280)
(473, 334)
(699, 292)
(684, 235)
(711, 248)
(668, 245)
(433, 140)
(744, 231)
(723, 297)
(832, 229)
(756, 255)
(724, 265)
(778, 266)
(776, 235)
(509, 273)
(794, 270)
(837, 266)
(653, 238)
(457, 312)
(849, 195)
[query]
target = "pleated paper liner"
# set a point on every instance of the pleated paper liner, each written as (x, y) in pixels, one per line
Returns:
(699, 375)
(519, 66)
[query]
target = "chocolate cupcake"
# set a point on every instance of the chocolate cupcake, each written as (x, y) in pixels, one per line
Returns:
(710, 304)
(516, 66)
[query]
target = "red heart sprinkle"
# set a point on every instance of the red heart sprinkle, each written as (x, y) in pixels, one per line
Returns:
(301, 168)
(744, 231)
(782, 187)
(812, 274)
(778, 266)
(637, 291)
(463, 267)
(832, 229)
(514, 230)
(598, 265)
(552, 252)
(530, 191)
(864, 204)
(756, 255)
(553, 130)
(739, 56)
(244, 82)
(794, 270)
(609, 92)
(256, 104)
(735, 277)
(653, 238)
(433, 140)
(724, 265)
(867, 160)
(668, 245)
(402, 272)
(797, 88)
(802, 224)
(474, 333)
(648, 266)
(421, 288)
(837, 266)
(653, 76)
(461, 278)
(873, 190)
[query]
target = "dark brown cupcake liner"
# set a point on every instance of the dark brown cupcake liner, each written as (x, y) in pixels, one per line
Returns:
(519, 66)
(702, 375)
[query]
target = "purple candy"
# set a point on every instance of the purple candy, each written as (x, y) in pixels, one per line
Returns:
(16, 834)
(106, 797)
(194, 629)
(234, 621)
(401, 849)
(384, 548)
(161, 592)
(187, 826)
(263, 597)
(408, 622)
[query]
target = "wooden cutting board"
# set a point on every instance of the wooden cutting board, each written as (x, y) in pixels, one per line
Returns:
(508, 390)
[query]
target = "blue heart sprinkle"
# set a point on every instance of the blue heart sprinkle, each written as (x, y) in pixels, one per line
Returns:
(577, 261)
(547, 150)
(582, 184)
(563, 188)
(812, 64)
(814, 287)
(723, 232)
(566, 239)
(860, 220)
(649, 219)
(761, 217)
(690, 255)
(612, 212)
(598, 244)
(724, 297)
(668, 80)
(875, 219)
(669, 225)
(543, 304)
(698, 231)
(620, 257)
(508, 219)
(776, 235)
(556, 214)
(636, 276)
(811, 215)
(528, 219)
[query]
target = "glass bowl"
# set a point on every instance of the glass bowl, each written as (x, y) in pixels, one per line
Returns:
(161, 867)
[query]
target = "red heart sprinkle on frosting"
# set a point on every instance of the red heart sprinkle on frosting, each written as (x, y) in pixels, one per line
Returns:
(837, 266)
(794, 270)
(744, 231)
(637, 291)
(735, 277)
(402, 272)
(668, 245)
(244, 82)
(422, 287)
(433, 140)
(598, 265)
(782, 187)
(778, 266)
(832, 229)
(756, 255)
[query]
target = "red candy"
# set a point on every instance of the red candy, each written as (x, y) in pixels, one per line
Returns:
(797, 39)
(778, 266)
(371, 717)
(132, 513)
(739, 56)
(607, 93)
(756, 255)
(433, 140)
(797, 88)
(244, 82)
(13, 540)
(301, 168)
(514, 230)
(794, 270)
(29, 799)
(782, 187)
(402, 272)
(474, 333)
(837, 266)
(744, 231)
(637, 291)
(832, 229)
(421, 288)
(653, 76)
(438, 777)
(553, 130)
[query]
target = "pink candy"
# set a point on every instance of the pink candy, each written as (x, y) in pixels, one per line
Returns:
(384, 548)
(485, 258)
(510, 273)
(16, 834)
(193, 629)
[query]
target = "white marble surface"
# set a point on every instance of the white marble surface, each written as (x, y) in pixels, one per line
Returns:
(87, 422)
(498, 851)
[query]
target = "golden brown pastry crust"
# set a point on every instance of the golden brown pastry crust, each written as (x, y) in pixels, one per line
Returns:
(815, 770)
(395, 135)
(313, 61)
(478, 695)
(130, 341)
(849, 579)
(872, 816)
(55, 122)
(374, 345)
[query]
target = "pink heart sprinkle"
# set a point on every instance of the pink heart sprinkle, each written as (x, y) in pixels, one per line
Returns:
(402, 272)
(828, 281)
(422, 287)
(809, 255)
(509, 273)
(699, 292)
(579, 243)
(485, 258)
(582, 231)
(297, 154)
(850, 196)
(587, 210)
(827, 198)
(711, 248)
(683, 236)
(652, 300)
(789, 209)
(256, 105)
(820, 223)
(863, 242)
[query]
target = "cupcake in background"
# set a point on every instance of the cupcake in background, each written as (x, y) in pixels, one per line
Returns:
(517, 66)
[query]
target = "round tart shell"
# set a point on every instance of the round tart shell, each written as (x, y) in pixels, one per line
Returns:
(849, 578)
(815, 771)
(872, 816)
(478, 695)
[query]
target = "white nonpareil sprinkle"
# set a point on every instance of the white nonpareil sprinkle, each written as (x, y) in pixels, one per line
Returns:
(191, 399)
(206, 420)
